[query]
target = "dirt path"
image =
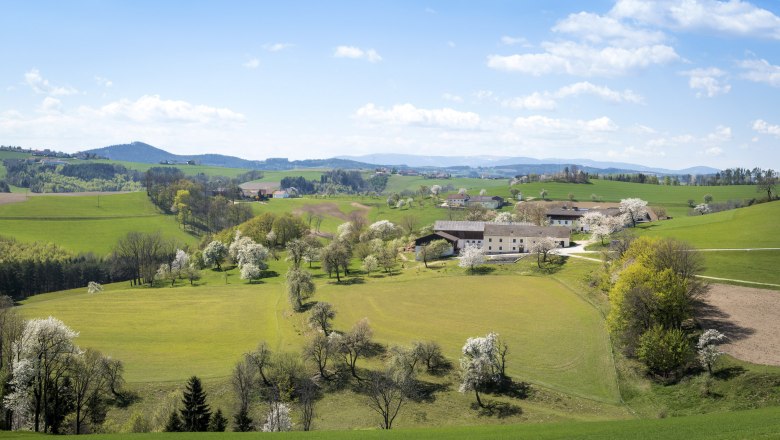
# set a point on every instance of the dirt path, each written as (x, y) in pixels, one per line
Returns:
(748, 317)
(330, 209)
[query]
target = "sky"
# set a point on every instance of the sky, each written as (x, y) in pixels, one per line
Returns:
(671, 83)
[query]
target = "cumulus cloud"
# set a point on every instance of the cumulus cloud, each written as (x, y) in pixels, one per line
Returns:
(408, 114)
(512, 41)
(634, 151)
(276, 47)
(599, 29)
(51, 105)
(763, 127)
(734, 17)
(41, 85)
(541, 124)
(547, 100)
(761, 71)
(357, 53)
(713, 151)
(709, 82)
(584, 60)
(152, 108)
(103, 82)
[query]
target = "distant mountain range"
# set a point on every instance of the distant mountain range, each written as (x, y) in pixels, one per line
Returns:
(464, 165)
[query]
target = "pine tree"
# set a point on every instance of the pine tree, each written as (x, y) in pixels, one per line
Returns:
(196, 413)
(241, 421)
(174, 423)
(218, 422)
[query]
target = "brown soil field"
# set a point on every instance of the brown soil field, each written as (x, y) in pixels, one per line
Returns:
(749, 317)
(330, 209)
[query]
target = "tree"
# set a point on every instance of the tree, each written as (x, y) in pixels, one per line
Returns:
(195, 414)
(435, 190)
(531, 212)
(471, 257)
(307, 394)
(767, 182)
(180, 263)
(354, 344)
(429, 352)
(702, 209)
(218, 423)
(164, 273)
(243, 381)
(215, 253)
(504, 217)
(321, 317)
(664, 352)
(278, 418)
(634, 209)
(542, 248)
(434, 250)
(318, 349)
(335, 256)
(299, 287)
(89, 381)
(250, 272)
(543, 194)
(370, 264)
(383, 229)
(707, 348)
(94, 287)
(480, 365)
(242, 422)
(174, 423)
(386, 396)
(296, 251)
(708, 198)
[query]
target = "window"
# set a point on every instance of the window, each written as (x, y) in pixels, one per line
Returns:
(501, 248)
(514, 240)
(490, 248)
(490, 240)
(514, 248)
(521, 240)
(500, 240)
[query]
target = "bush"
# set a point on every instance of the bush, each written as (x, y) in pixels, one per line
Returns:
(664, 352)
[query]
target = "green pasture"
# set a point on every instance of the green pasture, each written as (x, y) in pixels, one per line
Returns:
(397, 183)
(750, 227)
(756, 266)
(189, 170)
(558, 339)
(78, 224)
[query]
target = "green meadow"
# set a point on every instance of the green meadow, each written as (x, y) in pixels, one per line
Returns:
(86, 223)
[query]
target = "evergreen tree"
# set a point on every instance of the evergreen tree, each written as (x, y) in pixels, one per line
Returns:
(196, 412)
(218, 422)
(241, 421)
(174, 423)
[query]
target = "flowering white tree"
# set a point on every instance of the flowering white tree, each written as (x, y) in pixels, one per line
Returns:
(94, 287)
(20, 399)
(708, 347)
(278, 418)
(601, 226)
(542, 248)
(383, 230)
(435, 190)
(401, 203)
(482, 192)
(471, 257)
(370, 264)
(164, 273)
(462, 191)
(481, 364)
(702, 208)
(634, 209)
(504, 217)
(344, 230)
(250, 272)
(180, 263)
(214, 254)
(42, 354)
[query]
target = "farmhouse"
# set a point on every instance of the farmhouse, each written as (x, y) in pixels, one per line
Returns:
(457, 200)
(281, 194)
(465, 200)
(257, 190)
(495, 238)
(570, 217)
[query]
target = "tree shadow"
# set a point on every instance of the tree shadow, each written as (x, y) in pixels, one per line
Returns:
(441, 369)
(711, 316)
(374, 349)
(123, 399)
(426, 391)
(305, 307)
(728, 373)
(497, 409)
(350, 281)
(482, 270)
(269, 274)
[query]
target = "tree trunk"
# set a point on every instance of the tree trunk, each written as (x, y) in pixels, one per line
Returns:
(479, 401)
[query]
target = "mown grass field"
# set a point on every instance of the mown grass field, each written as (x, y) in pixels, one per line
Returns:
(752, 424)
(78, 224)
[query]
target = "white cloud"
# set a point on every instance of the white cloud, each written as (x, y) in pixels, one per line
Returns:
(276, 47)
(721, 134)
(707, 81)
(485, 95)
(450, 97)
(547, 100)
(543, 124)
(735, 17)
(103, 82)
(357, 53)
(633, 152)
(713, 151)
(584, 60)
(761, 71)
(51, 105)
(252, 63)
(41, 85)
(534, 101)
(408, 114)
(764, 127)
(599, 29)
(151, 108)
(512, 41)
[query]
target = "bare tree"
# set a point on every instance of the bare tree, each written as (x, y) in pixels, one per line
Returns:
(321, 317)
(409, 223)
(354, 344)
(386, 397)
(319, 349)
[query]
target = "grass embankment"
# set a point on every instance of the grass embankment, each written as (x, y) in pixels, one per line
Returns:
(754, 424)
(79, 224)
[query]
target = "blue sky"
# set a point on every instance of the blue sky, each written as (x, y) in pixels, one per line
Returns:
(671, 83)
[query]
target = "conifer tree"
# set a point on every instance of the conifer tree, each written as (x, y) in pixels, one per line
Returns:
(174, 423)
(196, 412)
(242, 421)
(218, 422)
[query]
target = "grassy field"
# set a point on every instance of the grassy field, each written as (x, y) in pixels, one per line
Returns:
(753, 424)
(78, 224)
